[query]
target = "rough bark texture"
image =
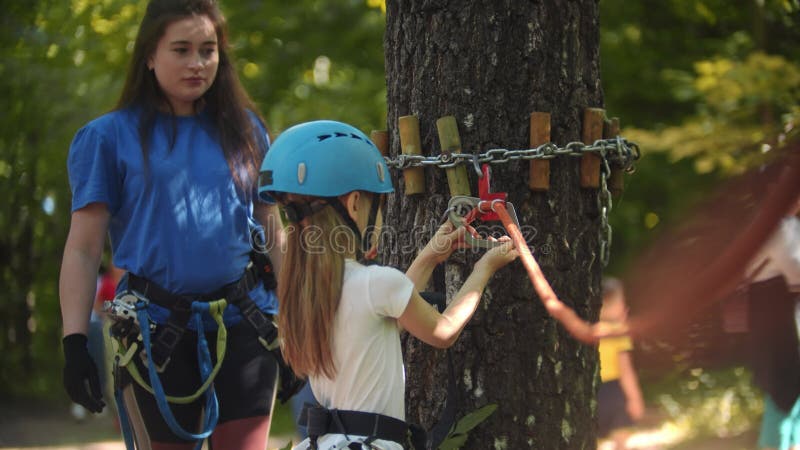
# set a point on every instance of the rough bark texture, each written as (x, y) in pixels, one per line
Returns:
(490, 63)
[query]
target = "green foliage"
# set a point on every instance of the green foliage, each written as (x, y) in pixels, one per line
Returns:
(47, 80)
(312, 59)
(706, 88)
(648, 52)
(460, 432)
(744, 109)
(703, 403)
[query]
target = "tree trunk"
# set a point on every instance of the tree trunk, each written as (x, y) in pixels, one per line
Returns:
(490, 64)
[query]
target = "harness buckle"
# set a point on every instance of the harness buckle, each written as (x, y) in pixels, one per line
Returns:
(166, 340)
(270, 346)
(124, 306)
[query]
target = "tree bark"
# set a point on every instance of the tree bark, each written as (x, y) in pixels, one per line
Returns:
(490, 64)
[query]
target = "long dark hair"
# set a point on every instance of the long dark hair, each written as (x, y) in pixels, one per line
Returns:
(226, 101)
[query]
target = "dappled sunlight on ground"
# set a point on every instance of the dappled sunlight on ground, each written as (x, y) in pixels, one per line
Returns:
(672, 436)
(667, 434)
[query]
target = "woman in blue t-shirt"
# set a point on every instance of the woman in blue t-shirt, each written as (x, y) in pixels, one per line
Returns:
(170, 176)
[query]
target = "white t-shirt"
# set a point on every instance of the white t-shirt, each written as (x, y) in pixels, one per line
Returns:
(782, 255)
(370, 375)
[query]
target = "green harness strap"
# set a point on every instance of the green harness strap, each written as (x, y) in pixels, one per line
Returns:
(125, 355)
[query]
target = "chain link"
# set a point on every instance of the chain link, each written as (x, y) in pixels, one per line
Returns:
(617, 152)
(604, 204)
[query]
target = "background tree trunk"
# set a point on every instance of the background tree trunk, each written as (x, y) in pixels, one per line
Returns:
(490, 64)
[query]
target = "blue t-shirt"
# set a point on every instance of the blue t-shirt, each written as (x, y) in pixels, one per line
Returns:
(181, 223)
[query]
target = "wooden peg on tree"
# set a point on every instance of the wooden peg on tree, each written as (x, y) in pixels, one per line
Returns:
(457, 179)
(616, 182)
(410, 145)
(539, 173)
(381, 140)
(592, 131)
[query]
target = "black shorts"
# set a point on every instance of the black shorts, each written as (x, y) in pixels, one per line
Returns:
(611, 411)
(244, 385)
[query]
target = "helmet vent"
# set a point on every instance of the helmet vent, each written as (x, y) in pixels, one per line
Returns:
(381, 175)
(301, 173)
(323, 137)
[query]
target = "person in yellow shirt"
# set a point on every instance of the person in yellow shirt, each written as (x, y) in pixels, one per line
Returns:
(619, 398)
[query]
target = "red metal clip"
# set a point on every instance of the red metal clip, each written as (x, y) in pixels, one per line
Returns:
(485, 193)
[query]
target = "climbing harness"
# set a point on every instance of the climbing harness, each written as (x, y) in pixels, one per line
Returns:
(127, 348)
(131, 335)
(135, 332)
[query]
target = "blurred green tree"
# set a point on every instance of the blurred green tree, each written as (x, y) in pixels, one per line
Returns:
(706, 88)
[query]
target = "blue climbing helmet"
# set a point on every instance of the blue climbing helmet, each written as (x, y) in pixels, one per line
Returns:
(323, 158)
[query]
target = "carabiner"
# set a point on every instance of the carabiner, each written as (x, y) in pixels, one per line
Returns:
(462, 210)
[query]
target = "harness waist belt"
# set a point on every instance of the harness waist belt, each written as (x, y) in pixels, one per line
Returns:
(182, 302)
(322, 421)
(180, 307)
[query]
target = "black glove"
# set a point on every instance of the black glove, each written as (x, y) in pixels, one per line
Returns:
(80, 374)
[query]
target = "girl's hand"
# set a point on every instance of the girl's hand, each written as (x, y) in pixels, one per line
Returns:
(499, 256)
(447, 239)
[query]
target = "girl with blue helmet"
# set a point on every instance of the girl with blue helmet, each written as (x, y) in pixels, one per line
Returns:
(171, 175)
(340, 319)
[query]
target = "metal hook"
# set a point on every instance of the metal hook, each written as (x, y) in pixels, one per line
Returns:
(477, 165)
(458, 202)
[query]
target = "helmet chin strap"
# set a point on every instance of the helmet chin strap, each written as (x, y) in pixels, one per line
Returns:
(337, 205)
(297, 211)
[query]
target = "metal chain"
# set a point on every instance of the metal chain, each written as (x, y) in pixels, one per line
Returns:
(604, 204)
(618, 152)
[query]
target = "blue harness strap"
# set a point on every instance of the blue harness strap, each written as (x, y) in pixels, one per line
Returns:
(211, 410)
(124, 419)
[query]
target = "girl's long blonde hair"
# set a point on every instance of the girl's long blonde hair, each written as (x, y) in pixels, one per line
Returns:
(309, 290)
